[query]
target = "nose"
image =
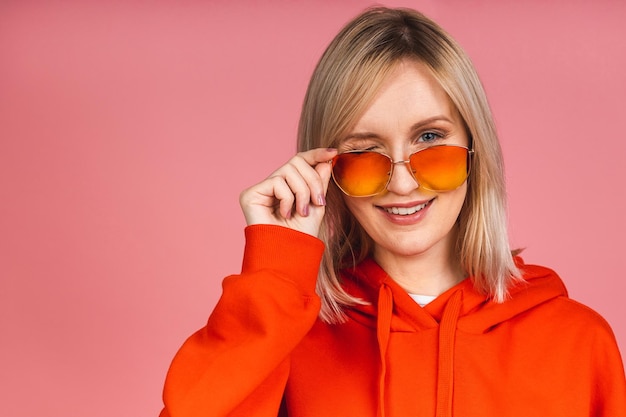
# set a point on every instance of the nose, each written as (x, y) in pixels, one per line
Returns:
(402, 181)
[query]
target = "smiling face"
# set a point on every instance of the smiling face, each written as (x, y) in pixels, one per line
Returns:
(410, 112)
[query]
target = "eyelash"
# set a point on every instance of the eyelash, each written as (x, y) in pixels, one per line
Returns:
(351, 148)
(437, 136)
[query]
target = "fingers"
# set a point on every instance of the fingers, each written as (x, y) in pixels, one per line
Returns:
(304, 181)
(315, 156)
(324, 170)
(283, 194)
(294, 195)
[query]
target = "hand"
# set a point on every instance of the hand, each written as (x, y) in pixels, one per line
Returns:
(294, 196)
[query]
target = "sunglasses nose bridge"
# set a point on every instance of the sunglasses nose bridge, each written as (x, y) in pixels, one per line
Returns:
(406, 162)
(409, 167)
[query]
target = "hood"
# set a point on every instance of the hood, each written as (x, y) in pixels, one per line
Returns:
(391, 309)
(477, 314)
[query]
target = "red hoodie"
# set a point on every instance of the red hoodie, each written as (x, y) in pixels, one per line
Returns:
(265, 352)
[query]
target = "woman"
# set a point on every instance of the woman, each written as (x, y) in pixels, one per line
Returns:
(391, 290)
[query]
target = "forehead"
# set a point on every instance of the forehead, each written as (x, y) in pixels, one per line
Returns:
(408, 94)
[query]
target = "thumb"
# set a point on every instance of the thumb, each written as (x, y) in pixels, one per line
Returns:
(324, 170)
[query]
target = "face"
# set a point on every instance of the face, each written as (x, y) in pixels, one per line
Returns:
(410, 112)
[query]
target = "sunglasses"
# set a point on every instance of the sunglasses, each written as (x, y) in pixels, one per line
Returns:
(367, 173)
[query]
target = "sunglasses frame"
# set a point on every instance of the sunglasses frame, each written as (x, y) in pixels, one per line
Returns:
(470, 153)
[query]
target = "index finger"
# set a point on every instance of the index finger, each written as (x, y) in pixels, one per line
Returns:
(318, 155)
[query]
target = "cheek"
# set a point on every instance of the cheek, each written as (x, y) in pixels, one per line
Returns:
(354, 205)
(448, 208)
(455, 200)
(360, 208)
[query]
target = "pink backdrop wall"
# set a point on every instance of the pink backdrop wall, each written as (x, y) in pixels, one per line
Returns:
(128, 129)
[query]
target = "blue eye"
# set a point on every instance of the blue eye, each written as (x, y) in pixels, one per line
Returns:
(430, 137)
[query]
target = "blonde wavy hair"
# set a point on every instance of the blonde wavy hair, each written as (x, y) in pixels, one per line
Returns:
(344, 83)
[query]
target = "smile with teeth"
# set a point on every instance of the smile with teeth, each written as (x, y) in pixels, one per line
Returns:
(405, 211)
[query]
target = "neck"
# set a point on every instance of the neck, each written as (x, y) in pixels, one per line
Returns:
(429, 273)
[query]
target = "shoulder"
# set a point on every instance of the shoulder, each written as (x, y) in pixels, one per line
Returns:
(574, 313)
(559, 314)
(543, 298)
(572, 330)
(577, 317)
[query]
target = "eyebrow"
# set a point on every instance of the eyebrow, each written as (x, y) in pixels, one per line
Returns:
(429, 121)
(416, 126)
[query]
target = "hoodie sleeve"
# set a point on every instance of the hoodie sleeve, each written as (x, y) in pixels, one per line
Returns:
(609, 382)
(238, 364)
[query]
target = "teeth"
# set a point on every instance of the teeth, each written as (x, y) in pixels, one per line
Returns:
(405, 211)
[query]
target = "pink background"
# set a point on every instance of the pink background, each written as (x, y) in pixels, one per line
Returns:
(128, 129)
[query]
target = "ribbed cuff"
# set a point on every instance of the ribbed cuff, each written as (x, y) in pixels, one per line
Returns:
(291, 253)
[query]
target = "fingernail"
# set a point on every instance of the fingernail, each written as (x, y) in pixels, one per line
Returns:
(288, 216)
(305, 210)
(321, 200)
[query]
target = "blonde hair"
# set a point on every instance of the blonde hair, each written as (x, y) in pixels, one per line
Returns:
(344, 83)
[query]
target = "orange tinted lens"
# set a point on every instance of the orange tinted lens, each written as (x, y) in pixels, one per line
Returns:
(361, 174)
(440, 168)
